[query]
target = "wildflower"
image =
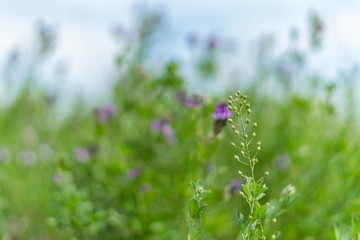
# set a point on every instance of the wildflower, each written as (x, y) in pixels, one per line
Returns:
(82, 155)
(105, 113)
(190, 102)
(45, 152)
(165, 129)
(57, 178)
(235, 185)
(156, 125)
(28, 157)
(145, 188)
(221, 112)
(194, 101)
(221, 115)
(169, 134)
(133, 173)
(181, 97)
(282, 162)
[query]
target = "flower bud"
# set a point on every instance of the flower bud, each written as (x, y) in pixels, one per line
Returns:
(237, 158)
(258, 148)
(230, 121)
(249, 111)
(273, 237)
(274, 220)
(254, 134)
(247, 120)
(255, 125)
(267, 173)
(230, 98)
(242, 145)
(237, 132)
(233, 144)
(267, 204)
(242, 194)
(248, 105)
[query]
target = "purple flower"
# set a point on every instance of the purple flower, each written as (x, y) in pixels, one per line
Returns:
(133, 173)
(156, 125)
(221, 115)
(45, 152)
(165, 129)
(282, 162)
(190, 102)
(57, 178)
(194, 101)
(145, 188)
(105, 113)
(82, 155)
(192, 39)
(181, 97)
(221, 112)
(235, 185)
(28, 157)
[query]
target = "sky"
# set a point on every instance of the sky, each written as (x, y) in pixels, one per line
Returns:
(86, 46)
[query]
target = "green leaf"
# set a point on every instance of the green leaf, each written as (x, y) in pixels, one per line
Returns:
(337, 230)
(260, 211)
(194, 209)
(346, 234)
(355, 227)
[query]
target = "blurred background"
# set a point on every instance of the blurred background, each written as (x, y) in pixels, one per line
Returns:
(106, 115)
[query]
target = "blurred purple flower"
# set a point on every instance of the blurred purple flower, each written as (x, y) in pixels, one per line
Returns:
(165, 129)
(106, 113)
(82, 155)
(282, 162)
(57, 178)
(190, 102)
(211, 168)
(192, 39)
(28, 157)
(133, 173)
(45, 152)
(235, 185)
(145, 188)
(181, 97)
(194, 101)
(156, 125)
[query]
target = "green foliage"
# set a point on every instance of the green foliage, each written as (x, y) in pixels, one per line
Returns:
(101, 173)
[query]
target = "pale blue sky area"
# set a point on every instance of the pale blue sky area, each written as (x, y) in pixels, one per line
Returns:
(87, 47)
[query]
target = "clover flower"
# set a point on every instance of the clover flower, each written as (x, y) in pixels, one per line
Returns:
(82, 155)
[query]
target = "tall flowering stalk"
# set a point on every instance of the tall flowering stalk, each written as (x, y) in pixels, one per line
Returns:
(254, 226)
